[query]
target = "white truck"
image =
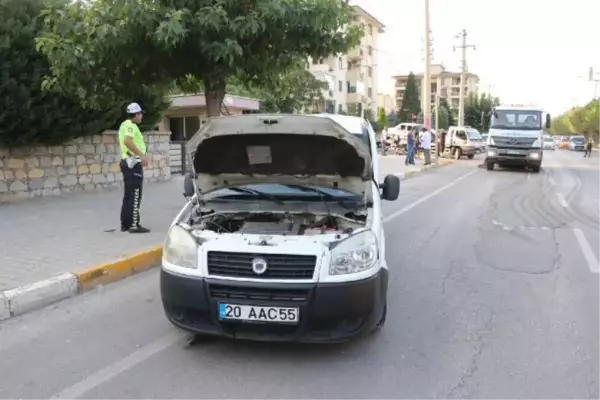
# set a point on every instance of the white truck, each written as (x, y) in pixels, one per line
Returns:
(516, 137)
(463, 141)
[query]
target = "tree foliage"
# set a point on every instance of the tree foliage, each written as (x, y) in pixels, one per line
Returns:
(582, 120)
(382, 118)
(28, 114)
(128, 43)
(411, 102)
(478, 111)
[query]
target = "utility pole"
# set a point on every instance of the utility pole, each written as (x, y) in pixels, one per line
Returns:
(427, 77)
(463, 72)
(594, 76)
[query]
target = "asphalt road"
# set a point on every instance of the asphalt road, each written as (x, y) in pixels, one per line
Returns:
(493, 294)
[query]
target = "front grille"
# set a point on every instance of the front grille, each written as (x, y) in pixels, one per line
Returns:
(513, 142)
(227, 292)
(279, 266)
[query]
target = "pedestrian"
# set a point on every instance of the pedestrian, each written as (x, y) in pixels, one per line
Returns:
(410, 149)
(588, 147)
(384, 138)
(417, 149)
(426, 145)
(443, 141)
(133, 161)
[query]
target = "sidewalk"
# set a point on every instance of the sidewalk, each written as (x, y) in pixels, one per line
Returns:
(50, 236)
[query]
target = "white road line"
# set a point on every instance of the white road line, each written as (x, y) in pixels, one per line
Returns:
(427, 197)
(589, 255)
(529, 176)
(118, 367)
(551, 180)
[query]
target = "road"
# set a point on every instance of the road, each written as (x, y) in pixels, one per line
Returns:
(493, 294)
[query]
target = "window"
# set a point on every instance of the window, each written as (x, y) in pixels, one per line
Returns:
(183, 128)
(341, 86)
(369, 92)
(370, 71)
(340, 109)
(370, 29)
(340, 63)
(370, 50)
(517, 120)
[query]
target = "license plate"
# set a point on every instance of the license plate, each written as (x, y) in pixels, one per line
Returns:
(514, 152)
(240, 312)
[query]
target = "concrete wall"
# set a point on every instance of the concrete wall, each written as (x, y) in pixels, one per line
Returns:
(85, 164)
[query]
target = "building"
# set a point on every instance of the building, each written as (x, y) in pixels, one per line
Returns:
(387, 102)
(352, 78)
(188, 112)
(447, 81)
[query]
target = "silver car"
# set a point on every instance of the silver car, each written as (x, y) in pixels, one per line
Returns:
(549, 143)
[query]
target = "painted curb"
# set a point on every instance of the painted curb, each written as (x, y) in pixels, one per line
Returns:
(17, 301)
(119, 269)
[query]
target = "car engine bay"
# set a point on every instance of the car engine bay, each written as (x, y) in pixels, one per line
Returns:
(267, 223)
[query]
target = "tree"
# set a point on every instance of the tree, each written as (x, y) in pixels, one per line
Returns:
(411, 103)
(382, 118)
(582, 120)
(128, 43)
(295, 90)
(478, 111)
(29, 115)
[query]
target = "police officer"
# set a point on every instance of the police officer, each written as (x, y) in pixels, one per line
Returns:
(133, 159)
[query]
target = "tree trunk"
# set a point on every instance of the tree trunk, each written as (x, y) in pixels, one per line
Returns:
(214, 92)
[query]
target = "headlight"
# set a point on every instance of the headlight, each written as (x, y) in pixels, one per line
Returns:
(536, 143)
(355, 254)
(534, 155)
(180, 249)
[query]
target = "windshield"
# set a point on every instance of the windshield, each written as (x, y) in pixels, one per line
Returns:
(278, 191)
(517, 120)
(474, 134)
(578, 139)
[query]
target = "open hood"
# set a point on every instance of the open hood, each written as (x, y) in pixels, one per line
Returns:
(281, 148)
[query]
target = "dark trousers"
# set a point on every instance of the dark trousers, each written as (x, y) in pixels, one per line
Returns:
(133, 179)
(588, 152)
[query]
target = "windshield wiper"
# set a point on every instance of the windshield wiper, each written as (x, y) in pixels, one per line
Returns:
(326, 196)
(257, 193)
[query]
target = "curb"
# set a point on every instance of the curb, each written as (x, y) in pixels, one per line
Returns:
(17, 301)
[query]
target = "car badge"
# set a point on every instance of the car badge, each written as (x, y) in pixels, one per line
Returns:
(259, 266)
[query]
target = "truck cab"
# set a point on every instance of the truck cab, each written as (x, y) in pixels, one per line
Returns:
(516, 137)
(463, 141)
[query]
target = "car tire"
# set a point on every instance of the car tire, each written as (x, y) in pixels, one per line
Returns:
(489, 166)
(470, 156)
(536, 168)
(383, 318)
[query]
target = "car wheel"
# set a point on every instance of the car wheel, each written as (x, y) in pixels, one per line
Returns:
(381, 322)
(536, 168)
(470, 156)
(489, 166)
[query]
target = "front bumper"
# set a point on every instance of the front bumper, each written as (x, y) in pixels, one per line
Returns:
(332, 312)
(514, 157)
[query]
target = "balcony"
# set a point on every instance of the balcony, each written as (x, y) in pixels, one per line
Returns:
(321, 69)
(356, 54)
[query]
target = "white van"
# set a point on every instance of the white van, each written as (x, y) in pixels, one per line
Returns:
(282, 238)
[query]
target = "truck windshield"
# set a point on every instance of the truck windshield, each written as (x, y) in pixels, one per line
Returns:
(522, 120)
(577, 139)
(474, 134)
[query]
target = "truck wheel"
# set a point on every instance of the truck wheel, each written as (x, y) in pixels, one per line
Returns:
(457, 153)
(470, 156)
(381, 322)
(536, 168)
(489, 166)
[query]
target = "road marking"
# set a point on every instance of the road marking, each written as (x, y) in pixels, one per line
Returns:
(427, 197)
(551, 180)
(587, 251)
(529, 176)
(118, 367)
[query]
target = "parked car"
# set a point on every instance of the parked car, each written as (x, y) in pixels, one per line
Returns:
(282, 236)
(577, 143)
(549, 143)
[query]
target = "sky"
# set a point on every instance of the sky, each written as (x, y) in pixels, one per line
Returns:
(527, 51)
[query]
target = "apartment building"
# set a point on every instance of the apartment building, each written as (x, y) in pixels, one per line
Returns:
(352, 78)
(387, 102)
(448, 82)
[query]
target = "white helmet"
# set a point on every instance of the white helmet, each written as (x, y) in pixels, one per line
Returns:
(134, 108)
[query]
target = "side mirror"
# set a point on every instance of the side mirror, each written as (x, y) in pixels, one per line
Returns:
(548, 121)
(188, 186)
(390, 188)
